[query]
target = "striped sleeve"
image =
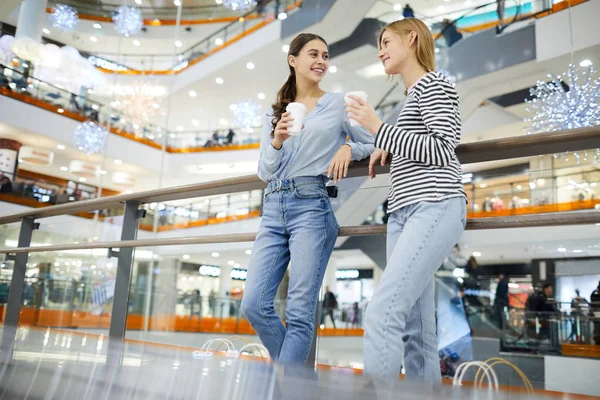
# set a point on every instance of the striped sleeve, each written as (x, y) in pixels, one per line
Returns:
(436, 141)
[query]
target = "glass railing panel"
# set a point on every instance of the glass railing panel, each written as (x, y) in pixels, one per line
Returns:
(173, 295)
(71, 290)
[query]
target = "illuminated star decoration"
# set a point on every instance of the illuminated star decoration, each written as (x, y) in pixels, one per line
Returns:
(128, 20)
(90, 137)
(569, 101)
(140, 103)
(64, 17)
(239, 5)
(246, 114)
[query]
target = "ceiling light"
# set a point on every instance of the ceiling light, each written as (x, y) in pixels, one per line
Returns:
(56, 264)
(196, 123)
(219, 1)
(333, 69)
(93, 39)
(177, 2)
(232, 107)
(261, 96)
(138, 2)
(230, 262)
(285, 48)
(585, 63)
(136, 43)
(219, 81)
(60, 111)
(250, 65)
(483, 186)
(179, 128)
(192, 93)
(186, 256)
(46, 31)
(282, 15)
(476, 254)
(82, 180)
(519, 187)
(64, 169)
(215, 255)
(97, 26)
(218, 41)
(437, 49)
(60, 147)
(223, 122)
(103, 172)
(397, 7)
(441, 8)
(248, 252)
(561, 250)
(156, 105)
(118, 162)
(128, 191)
(178, 43)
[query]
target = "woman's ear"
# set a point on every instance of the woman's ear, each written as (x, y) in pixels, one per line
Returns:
(412, 38)
(292, 61)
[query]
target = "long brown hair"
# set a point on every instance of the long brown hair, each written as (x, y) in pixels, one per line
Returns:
(424, 45)
(287, 93)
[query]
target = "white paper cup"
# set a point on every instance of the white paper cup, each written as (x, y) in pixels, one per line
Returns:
(298, 112)
(347, 99)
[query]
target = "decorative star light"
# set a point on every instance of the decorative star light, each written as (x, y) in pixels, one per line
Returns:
(64, 17)
(239, 5)
(140, 102)
(90, 137)
(128, 20)
(246, 114)
(570, 100)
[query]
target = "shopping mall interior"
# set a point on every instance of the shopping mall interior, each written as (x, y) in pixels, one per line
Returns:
(130, 137)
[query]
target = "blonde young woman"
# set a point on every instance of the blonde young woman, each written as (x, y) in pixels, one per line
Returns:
(427, 204)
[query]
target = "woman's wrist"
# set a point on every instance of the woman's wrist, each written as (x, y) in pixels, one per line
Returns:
(276, 144)
(375, 127)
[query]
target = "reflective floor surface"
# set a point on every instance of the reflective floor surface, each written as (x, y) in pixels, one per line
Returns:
(38, 364)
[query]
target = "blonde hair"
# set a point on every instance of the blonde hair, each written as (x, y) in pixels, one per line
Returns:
(424, 46)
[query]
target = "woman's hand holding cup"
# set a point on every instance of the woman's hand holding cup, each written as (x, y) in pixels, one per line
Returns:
(281, 133)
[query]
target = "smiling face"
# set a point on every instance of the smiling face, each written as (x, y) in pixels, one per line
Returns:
(395, 51)
(311, 62)
(406, 45)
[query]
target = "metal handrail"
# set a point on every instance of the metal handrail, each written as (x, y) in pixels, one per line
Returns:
(489, 150)
(521, 221)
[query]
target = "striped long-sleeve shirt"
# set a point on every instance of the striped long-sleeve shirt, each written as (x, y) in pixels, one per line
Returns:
(422, 143)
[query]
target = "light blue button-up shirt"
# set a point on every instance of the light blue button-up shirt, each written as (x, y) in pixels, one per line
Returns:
(310, 153)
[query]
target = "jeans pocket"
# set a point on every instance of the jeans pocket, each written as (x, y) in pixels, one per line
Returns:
(463, 213)
(310, 192)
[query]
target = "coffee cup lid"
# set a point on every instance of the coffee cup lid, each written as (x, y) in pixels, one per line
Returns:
(357, 93)
(296, 104)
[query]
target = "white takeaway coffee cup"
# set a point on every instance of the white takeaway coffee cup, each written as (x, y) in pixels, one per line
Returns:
(298, 112)
(347, 99)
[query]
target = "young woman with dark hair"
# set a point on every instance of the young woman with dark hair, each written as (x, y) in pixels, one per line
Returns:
(298, 224)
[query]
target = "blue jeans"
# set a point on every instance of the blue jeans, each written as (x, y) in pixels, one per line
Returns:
(298, 225)
(401, 313)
